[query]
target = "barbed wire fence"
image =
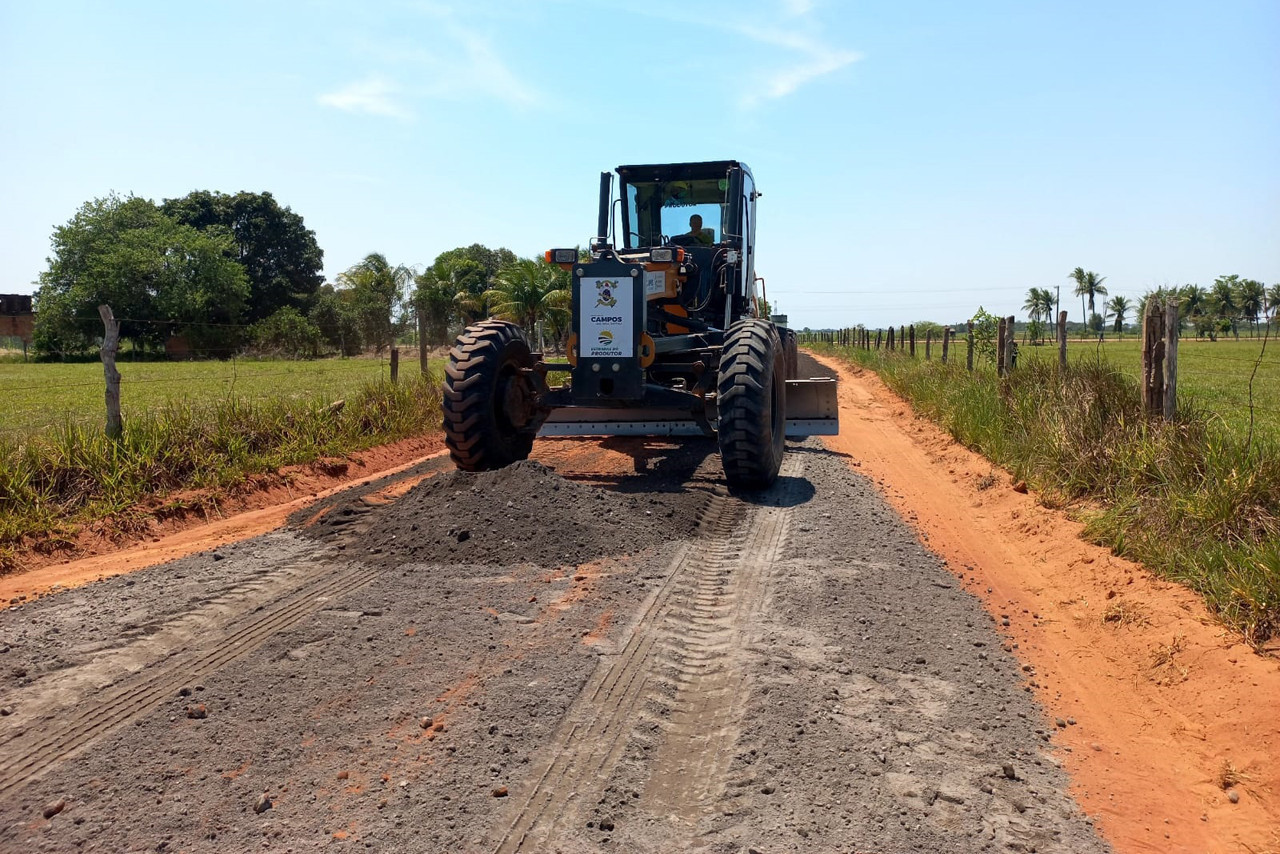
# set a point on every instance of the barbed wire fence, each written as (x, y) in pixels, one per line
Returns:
(211, 366)
(940, 344)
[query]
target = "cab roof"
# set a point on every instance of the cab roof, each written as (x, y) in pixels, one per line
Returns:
(682, 171)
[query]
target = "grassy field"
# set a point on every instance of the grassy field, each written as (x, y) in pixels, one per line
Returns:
(1213, 376)
(41, 396)
(202, 425)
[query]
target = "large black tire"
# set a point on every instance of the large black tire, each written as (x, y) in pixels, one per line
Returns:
(751, 392)
(791, 353)
(488, 402)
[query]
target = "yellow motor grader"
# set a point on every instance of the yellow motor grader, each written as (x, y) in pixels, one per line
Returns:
(667, 337)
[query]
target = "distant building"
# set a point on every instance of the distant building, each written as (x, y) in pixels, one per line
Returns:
(16, 317)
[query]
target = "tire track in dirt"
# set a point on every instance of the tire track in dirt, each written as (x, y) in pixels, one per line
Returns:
(726, 595)
(677, 645)
(63, 735)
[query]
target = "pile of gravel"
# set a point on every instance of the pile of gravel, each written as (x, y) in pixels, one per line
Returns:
(522, 514)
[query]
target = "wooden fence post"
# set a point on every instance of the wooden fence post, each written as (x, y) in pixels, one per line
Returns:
(395, 365)
(1171, 327)
(969, 341)
(911, 332)
(1000, 347)
(877, 339)
(1062, 340)
(928, 345)
(946, 343)
(1153, 358)
(110, 343)
(1010, 345)
(422, 342)
(892, 342)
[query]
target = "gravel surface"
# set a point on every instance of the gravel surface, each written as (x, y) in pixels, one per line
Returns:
(671, 668)
(522, 513)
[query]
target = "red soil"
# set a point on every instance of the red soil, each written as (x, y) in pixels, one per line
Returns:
(104, 549)
(1169, 706)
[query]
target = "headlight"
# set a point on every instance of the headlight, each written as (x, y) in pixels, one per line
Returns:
(561, 256)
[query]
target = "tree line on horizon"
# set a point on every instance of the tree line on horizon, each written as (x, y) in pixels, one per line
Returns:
(235, 273)
(230, 273)
(1218, 309)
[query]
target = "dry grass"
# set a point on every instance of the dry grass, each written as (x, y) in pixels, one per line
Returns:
(1165, 670)
(1125, 612)
(1229, 776)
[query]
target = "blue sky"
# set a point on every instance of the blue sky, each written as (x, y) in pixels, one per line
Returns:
(916, 158)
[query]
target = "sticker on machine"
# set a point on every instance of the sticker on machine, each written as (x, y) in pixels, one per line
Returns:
(606, 327)
(655, 283)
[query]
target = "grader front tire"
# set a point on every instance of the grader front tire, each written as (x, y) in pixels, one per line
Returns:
(751, 391)
(488, 399)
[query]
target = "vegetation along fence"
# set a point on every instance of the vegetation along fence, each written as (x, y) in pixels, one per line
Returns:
(1168, 450)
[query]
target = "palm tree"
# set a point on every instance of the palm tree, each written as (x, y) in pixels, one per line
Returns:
(1225, 300)
(1077, 275)
(1191, 303)
(528, 291)
(436, 292)
(1047, 304)
(1088, 284)
(1273, 301)
(1118, 307)
(1032, 308)
(1251, 295)
(1039, 307)
(377, 290)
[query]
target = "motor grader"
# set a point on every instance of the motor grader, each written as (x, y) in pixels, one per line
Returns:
(667, 337)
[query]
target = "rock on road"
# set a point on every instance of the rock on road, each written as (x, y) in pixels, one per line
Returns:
(599, 650)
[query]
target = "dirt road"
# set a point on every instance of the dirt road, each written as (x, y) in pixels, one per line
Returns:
(600, 650)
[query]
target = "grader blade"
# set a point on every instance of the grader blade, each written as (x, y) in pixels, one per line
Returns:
(812, 408)
(585, 421)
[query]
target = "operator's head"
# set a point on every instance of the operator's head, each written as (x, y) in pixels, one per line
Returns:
(695, 223)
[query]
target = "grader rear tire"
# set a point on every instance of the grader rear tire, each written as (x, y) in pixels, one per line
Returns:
(791, 353)
(488, 401)
(751, 391)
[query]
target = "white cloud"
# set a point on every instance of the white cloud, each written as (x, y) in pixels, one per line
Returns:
(791, 26)
(457, 63)
(374, 95)
(485, 72)
(815, 59)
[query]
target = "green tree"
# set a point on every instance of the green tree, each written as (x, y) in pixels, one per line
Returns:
(1118, 306)
(1191, 302)
(335, 315)
(287, 333)
(278, 252)
(377, 292)
(1089, 284)
(1224, 299)
(1039, 307)
(1273, 302)
(489, 260)
(447, 291)
(1251, 296)
(159, 277)
(528, 291)
(469, 304)
(986, 327)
